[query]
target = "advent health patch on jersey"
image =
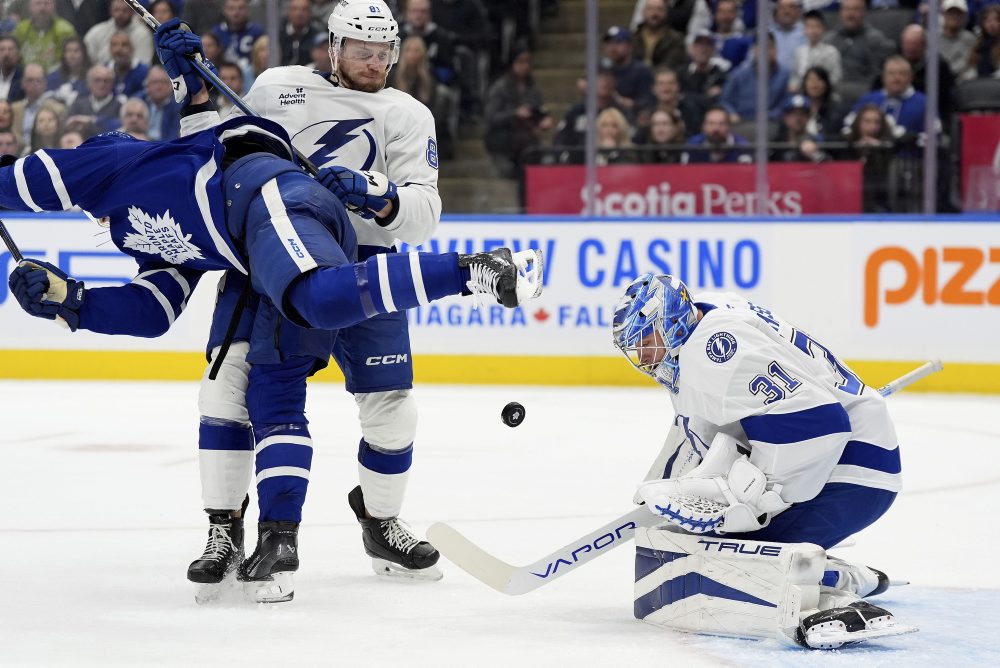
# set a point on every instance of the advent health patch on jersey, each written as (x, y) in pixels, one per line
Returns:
(721, 347)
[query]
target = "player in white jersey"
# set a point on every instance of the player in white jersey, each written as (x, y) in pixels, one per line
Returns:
(342, 122)
(774, 438)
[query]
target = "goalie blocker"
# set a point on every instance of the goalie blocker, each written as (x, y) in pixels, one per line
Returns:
(750, 589)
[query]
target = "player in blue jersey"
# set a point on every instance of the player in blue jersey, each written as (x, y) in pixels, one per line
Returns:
(774, 440)
(232, 198)
(346, 119)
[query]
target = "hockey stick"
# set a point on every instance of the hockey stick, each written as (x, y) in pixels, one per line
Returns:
(908, 379)
(211, 77)
(517, 580)
(8, 241)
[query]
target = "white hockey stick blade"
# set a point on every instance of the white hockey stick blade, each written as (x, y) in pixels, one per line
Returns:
(921, 371)
(517, 580)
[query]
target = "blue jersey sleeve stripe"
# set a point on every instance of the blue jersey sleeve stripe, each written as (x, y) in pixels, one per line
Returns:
(154, 275)
(418, 278)
(782, 428)
(866, 455)
(401, 279)
(22, 186)
(204, 200)
(364, 289)
(170, 284)
(168, 307)
(383, 283)
(57, 180)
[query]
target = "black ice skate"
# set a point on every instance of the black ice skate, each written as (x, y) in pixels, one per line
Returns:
(223, 553)
(509, 278)
(394, 550)
(856, 622)
(267, 573)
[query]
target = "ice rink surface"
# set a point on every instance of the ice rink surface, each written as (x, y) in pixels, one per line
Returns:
(102, 514)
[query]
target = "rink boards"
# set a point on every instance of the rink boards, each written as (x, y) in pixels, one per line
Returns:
(885, 295)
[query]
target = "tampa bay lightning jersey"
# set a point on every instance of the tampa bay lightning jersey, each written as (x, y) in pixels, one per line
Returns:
(388, 131)
(808, 419)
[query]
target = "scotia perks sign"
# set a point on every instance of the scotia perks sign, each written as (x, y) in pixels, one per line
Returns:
(696, 190)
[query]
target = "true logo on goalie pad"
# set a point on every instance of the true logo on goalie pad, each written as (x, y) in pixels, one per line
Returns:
(739, 547)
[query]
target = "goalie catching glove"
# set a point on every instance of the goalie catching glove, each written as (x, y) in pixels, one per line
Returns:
(45, 291)
(365, 193)
(176, 46)
(725, 494)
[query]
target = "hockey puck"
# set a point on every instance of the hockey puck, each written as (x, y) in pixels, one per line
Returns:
(512, 414)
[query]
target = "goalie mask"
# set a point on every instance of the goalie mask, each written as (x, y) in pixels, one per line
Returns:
(652, 321)
(366, 21)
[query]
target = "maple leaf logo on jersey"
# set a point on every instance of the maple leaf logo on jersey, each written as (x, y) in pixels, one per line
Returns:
(160, 235)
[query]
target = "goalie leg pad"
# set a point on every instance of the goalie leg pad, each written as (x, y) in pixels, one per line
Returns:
(715, 585)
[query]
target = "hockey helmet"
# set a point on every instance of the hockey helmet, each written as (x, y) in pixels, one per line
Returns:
(653, 319)
(364, 20)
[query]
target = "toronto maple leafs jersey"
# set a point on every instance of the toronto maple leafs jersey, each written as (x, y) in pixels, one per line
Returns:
(164, 201)
(388, 131)
(809, 420)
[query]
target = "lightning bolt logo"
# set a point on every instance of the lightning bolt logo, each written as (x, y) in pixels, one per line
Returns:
(337, 137)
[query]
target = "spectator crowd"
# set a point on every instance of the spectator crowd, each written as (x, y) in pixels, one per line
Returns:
(70, 69)
(676, 85)
(680, 83)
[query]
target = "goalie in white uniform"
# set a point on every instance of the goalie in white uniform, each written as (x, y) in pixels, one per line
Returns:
(346, 122)
(775, 440)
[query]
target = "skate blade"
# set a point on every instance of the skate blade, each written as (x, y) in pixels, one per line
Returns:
(278, 589)
(394, 570)
(531, 270)
(226, 590)
(205, 594)
(833, 638)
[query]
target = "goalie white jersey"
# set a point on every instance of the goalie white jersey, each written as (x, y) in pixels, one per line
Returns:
(388, 131)
(808, 418)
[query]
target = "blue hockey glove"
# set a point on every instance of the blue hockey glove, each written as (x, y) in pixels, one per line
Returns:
(363, 193)
(45, 291)
(176, 45)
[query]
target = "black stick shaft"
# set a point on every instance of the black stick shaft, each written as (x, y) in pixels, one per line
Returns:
(206, 73)
(8, 241)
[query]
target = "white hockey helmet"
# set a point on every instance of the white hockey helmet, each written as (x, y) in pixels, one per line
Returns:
(364, 20)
